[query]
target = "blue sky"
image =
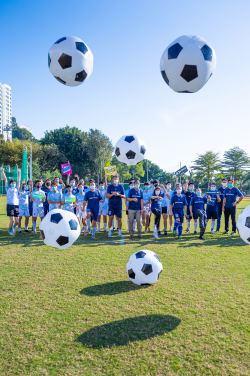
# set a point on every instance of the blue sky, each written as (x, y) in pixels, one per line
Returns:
(126, 93)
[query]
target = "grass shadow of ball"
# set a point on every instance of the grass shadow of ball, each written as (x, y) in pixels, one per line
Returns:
(120, 333)
(111, 288)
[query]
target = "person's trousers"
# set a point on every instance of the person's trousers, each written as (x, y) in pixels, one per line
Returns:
(157, 214)
(219, 217)
(132, 215)
(202, 215)
(230, 212)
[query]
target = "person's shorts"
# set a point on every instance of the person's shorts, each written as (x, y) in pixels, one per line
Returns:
(46, 209)
(165, 210)
(103, 211)
(12, 210)
(212, 214)
(38, 212)
(93, 213)
(82, 214)
(115, 211)
(196, 216)
(147, 211)
(24, 212)
(179, 215)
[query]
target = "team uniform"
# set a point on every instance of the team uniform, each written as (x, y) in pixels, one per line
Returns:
(164, 208)
(198, 208)
(115, 202)
(54, 196)
(212, 207)
(12, 202)
(93, 198)
(24, 204)
(38, 209)
(230, 195)
(219, 207)
(178, 203)
(46, 190)
(189, 195)
(103, 206)
(81, 213)
(134, 210)
(68, 205)
(156, 210)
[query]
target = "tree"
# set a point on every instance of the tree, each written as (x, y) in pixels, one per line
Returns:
(49, 158)
(20, 133)
(235, 160)
(98, 148)
(11, 152)
(70, 142)
(206, 165)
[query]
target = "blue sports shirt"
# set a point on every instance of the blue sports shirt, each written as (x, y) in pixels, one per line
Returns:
(231, 195)
(115, 202)
(138, 194)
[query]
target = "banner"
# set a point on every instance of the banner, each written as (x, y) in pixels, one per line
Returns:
(66, 169)
(181, 171)
(70, 199)
(40, 196)
(110, 170)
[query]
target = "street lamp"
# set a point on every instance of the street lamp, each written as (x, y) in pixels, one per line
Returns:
(30, 161)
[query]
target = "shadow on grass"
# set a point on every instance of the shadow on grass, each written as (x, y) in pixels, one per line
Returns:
(120, 333)
(111, 288)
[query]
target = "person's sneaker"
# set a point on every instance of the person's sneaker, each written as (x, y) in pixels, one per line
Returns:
(225, 232)
(109, 235)
(233, 233)
(145, 232)
(212, 231)
(82, 230)
(201, 237)
(179, 237)
(14, 229)
(93, 237)
(113, 229)
(159, 233)
(34, 232)
(155, 235)
(11, 233)
(85, 234)
(27, 231)
(20, 231)
(98, 230)
(217, 231)
(171, 229)
(188, 231)
(165, 232)
(120, 235)
(89, 232)
(174, 233)
(195, 233)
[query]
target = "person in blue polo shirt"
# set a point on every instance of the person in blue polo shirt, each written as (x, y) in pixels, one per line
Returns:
(92, 199)
(188, 188)
(12, 201)
(135, 208)
(212, 206)
(155, 200)
(229, 205)
(197, 210)
(46, 190)
(219, 204)
(115, 193)
(177, 205)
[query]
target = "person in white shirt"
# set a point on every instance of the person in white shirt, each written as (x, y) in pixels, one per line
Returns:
(12, 201)
(23, 207)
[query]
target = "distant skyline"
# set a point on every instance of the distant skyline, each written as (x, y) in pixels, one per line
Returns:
(126, 93)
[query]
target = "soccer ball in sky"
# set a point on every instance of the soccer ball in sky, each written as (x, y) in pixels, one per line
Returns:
(187, 64)
(70, 61)
(144, 267)
(59, 228)
(130, 150)
(243, 225)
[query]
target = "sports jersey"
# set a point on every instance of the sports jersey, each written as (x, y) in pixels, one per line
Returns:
(115, 201)
(24, 199)
(189, 195)
(133, 193)
(68, 205)
(37, 202)
(222, 191)
(212, 205)
(198, 203)
(156, 202)
(54, 196)
(178, 202)
(231, 195)
(46, 190)
(12, 196)
(80, 197)
(146, 197)
(104, 204)
(93, 199)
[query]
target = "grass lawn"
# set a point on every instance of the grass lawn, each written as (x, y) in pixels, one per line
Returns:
(74, 311)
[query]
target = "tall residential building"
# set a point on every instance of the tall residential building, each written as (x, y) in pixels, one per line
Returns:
(5, 112)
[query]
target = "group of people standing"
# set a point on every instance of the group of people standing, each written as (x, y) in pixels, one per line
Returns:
(105, 200)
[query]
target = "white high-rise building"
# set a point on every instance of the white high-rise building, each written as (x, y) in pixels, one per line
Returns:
(5, 112)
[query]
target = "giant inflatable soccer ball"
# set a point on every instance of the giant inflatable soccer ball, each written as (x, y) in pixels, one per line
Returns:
(243, 225)
(144, 267)
(130, 150)
(59, 228)
(70, 61)
(187, 64)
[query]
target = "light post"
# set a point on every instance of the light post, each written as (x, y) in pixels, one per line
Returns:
(30, 160)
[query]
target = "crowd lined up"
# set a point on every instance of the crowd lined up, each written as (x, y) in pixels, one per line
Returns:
(93, 202)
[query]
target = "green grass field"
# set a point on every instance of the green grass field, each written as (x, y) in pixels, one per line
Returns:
(74, 311)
